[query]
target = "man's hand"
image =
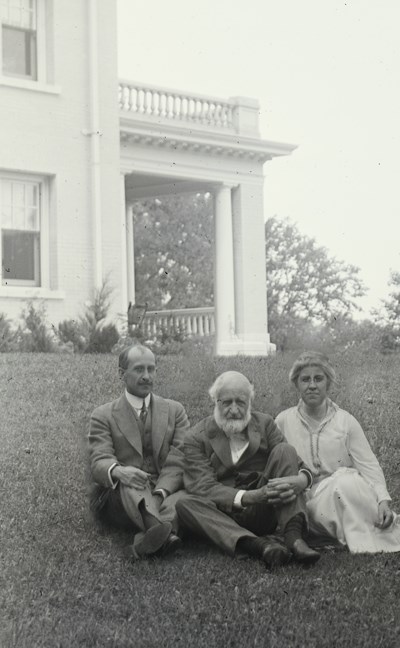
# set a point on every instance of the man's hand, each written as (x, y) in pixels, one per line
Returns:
(279, 494)
(297, 483)
(130, 476)
(385, 515)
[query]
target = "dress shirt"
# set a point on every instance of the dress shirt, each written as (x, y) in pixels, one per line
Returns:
(136, 403)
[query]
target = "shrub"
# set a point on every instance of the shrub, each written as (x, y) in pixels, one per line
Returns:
(34, 334)
(7, 335)
(90, 333)
(71, 331)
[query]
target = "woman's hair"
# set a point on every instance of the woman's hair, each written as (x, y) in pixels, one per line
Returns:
(312, 359)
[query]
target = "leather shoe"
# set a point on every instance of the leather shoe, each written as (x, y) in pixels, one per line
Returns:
(303, 553)
(151, 541)
(172, 543)
(273, 553)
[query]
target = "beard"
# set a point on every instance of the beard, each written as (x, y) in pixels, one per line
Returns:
(231, 427)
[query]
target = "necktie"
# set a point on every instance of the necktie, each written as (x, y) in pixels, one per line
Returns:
(143, 413)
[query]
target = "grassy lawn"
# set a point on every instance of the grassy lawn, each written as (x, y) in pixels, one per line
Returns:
(63, 583)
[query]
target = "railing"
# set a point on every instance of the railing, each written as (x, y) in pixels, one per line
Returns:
(152, 102)
(193, 321)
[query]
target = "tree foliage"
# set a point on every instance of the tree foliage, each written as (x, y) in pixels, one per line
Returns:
(174, 251)
(392, 305)
(303, 281)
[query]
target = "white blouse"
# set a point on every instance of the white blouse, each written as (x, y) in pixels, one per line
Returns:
(337, 442)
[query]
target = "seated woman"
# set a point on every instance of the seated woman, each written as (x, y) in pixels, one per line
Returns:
(349, 500)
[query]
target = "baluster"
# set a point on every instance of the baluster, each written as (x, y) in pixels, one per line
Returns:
(188, 326)
(204, 110)
(206, 325)
(184, 108)
(163, 104)
(212, 324)
(201, 328)
(177, 107)
(195, 325)
(229, 116)
(154, 103)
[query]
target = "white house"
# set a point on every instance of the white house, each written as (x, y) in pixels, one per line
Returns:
(78, 147)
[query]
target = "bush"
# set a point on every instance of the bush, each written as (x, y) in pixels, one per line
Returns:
(90, 333)
(102, 339)
(34, 334)
(72, 331)
(7, 335)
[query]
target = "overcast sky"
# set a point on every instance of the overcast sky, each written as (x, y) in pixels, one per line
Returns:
(327, 75)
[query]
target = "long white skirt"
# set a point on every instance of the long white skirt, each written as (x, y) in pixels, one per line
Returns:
(345, 507)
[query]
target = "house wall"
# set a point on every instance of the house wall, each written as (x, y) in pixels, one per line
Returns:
(47, 131)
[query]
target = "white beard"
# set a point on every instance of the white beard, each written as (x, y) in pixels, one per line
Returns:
(231, 427)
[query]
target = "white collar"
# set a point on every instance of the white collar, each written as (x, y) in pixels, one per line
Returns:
(136, 402)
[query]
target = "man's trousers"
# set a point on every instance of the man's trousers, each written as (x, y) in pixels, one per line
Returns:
(201, 515)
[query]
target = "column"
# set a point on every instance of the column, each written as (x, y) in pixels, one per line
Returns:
(130, 254)
(224, 295)
(249, 270)
(124, 274)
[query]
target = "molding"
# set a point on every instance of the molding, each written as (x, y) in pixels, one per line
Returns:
(25, 292)
(184, 171)
(25, 84)
(216, 144)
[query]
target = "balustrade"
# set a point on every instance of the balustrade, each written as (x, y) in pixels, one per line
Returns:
(152, 102)
(191, 321)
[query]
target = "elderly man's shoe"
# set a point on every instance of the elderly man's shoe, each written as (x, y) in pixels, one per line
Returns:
(274, 554)
(151, 541)
(303, 553)
(172, 543)
(271, 552)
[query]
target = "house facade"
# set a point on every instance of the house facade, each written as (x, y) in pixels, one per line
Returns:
(78, 148)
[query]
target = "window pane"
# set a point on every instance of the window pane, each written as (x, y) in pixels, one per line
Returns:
(31, 193)
(21, 253)
(6, 192)
(20, 13)
(19, 52)
(32, 220)
(18, 194)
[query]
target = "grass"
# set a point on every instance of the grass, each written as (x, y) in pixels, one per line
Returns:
(65, 583)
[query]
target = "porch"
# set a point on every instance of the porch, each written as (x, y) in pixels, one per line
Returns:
(175, 142)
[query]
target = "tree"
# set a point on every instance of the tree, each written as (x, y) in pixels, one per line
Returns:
(388, 317)
(392, 305)
(174, 251)
(304, 283)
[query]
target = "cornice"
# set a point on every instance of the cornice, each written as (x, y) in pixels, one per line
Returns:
(211, 143)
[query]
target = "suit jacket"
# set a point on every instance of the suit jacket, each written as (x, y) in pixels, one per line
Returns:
(209, 470)
(114, 437)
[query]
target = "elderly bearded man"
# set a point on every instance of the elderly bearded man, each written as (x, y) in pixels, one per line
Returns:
(136, 455)
(231, 461)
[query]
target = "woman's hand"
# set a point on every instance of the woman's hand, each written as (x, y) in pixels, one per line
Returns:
(385, 515)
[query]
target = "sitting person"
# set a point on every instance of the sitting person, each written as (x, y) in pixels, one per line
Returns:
(136, 456)
(348, 500)
(230, 459)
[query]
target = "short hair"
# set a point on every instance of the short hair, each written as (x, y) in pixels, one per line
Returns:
(312, 359)
(220, 381)
(123, 358)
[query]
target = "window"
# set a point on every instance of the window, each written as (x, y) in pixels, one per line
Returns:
(19, 38)
(21, 203)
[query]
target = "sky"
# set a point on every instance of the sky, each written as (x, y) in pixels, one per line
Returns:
(327, 76)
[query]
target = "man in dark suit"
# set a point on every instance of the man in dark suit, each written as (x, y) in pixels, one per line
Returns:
(244, 480)
(136, 455)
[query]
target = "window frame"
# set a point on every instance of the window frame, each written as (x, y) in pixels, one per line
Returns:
(44, 249)
(41, 53)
